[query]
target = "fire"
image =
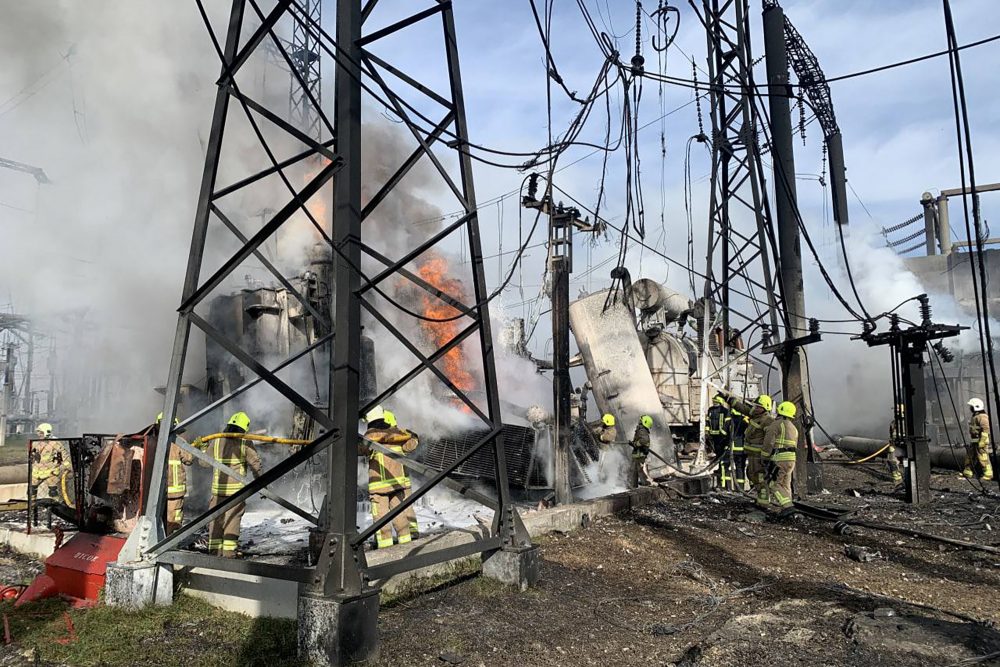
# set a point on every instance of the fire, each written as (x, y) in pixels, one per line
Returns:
(435, 270)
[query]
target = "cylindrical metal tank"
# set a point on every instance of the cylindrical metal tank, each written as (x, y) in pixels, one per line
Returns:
(669, 365)
(617, 370)
(947, 457)
(651, 297)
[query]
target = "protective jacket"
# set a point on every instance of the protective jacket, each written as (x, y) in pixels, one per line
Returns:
(979, 429)
(640, 443)
(717, 420)
(238, 454)
(48, 460)
(386, 473)
(780, 439)
(758, 421)
(177, 463)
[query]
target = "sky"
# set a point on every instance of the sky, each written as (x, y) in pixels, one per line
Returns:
(114, 102)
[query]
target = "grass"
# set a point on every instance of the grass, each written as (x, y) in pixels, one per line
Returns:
(190, 632)
(15, 450)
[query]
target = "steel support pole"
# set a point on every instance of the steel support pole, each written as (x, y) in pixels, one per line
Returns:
(917, 476)
(561, 385)
(795, 379)
(338, 566)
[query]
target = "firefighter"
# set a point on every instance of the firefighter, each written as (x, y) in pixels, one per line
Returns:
(640, 451)
(979, 441)
(891, 460)
(717, 432)
(388, 483)
(177, 461)
(758, 419)
(47, 465)
(737, 431)
(237, 454)
(778, 450)
(605, 432)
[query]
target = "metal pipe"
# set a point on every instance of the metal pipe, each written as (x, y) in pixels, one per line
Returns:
(838, 178)
(944, 227)
(930, 222)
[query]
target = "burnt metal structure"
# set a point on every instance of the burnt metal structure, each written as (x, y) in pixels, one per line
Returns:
(907, 348)
(338, 606)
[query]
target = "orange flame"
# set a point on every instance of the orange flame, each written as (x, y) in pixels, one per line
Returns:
(435, 270)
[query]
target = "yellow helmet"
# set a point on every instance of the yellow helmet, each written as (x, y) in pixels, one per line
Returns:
(388, 418)
(240, 419)
(646, 421)
(44, 429)
(720, 399)
(608, 419)
(177, 421)
(375, 414)
(765, 402)
(787, 409)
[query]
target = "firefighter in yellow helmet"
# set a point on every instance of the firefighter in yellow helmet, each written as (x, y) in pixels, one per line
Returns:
(238, 454)
(640, 444)
(49, 460)
(758, 419)
(178, 461)
(778, 450)
(605, 432)
(717, 422)
(388, 483)
(978, 450)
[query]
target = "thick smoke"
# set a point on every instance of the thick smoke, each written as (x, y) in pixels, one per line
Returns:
(851, 383)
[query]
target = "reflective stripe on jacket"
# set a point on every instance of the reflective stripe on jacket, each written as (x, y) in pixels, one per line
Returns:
(176, 471)
(386, 473)
(780, 441)
(979, 429)
(237, 454)
(717, 420)
(757, 423)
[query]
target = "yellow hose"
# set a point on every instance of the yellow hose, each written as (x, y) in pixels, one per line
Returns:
(203, 440)
(871, 456)
(65, 491)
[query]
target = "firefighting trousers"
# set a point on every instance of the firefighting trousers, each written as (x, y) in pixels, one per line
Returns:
(978, 452)
(892, 465)
(781, 486)
(224, 531)
(755, 473)
(405, 522)
(175, 514)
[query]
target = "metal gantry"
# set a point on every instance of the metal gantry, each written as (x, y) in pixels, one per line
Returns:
(341, 572)
(304, 103)
(741, 246)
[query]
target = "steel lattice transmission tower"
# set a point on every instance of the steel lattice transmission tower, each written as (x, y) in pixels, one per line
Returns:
(750, 251)
(307, 61)
(741, 249)
(338, 605)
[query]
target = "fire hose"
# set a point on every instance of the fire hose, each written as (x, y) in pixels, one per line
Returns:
(203, 440)
(843, 527)
(870, 456)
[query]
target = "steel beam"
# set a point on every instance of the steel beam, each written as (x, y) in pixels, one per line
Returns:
(237, 565)
(417, 560)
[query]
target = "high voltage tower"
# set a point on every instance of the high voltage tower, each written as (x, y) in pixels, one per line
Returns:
(338, 604)
(305, 102)
(749, 244)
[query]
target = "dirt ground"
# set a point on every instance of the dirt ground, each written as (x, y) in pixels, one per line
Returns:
(705, 582)
(688, 582)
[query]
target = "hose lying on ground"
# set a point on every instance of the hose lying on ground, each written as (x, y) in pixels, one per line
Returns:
(841, 525)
